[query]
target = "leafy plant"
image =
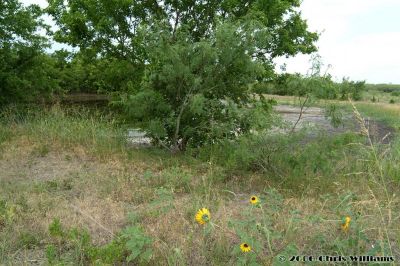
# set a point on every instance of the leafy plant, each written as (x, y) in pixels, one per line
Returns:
(334, 114)
(137, 244)
(7, 213)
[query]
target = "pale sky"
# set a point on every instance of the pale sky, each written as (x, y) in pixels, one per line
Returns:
(360, 38)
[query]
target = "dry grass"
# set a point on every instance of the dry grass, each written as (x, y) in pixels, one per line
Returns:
(45, 180)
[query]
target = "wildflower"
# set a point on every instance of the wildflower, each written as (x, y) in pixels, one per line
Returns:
(203, 216)
(346, 223)
(254, 200)
(245, 247)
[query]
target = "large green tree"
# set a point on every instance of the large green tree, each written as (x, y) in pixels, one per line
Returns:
(105, 27)
(195, 58)
(25, 70)
(111, 27)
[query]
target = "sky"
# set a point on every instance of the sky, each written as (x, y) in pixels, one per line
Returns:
(360, 39)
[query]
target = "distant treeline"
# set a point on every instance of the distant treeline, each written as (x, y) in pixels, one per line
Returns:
(387, 88)
(321, 87)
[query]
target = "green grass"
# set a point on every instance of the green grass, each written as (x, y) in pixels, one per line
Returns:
(73, 192)
(389, 114)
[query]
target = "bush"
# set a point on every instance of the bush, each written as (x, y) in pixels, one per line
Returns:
(351, 89)
(197, 92)
(290, 157)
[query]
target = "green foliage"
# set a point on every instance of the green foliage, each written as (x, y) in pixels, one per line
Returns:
(321, 87)
(75, 246)
(81, 73)
(257, 229)
(7, 213)
(113, 37)
(87, 127)
(55, 228)
(293, 158)
(110, 253)
(385, 88)
(26, 72)
(334, 114)
(113, 28)
(28, 240)
(351, 89)
(137, 244)
(5, 134)
(51, 254)
(315, 84)
(197, 92)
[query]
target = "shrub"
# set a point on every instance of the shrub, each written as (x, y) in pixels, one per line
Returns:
(351, 89)
(197, 92)
(294, 157)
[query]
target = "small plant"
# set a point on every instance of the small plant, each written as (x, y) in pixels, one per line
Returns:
(7, 213)
(55, 228)
(75, 245)
(51, 254)
(138, 244)
(392, 101)
(333, 113)
(28, 240)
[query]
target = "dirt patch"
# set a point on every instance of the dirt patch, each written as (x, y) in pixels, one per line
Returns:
(314, 117)
(23, 163)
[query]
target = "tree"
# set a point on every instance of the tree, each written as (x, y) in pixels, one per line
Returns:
(197, 92)
(195, 58)
(105, 27)
(111, 27)
(25, 71)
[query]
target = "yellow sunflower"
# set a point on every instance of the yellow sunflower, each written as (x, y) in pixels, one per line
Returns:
(203, 216)
(254, 200)
(346, 223)
(245, 247)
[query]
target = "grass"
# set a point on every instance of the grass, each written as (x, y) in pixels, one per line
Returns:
(73, 192)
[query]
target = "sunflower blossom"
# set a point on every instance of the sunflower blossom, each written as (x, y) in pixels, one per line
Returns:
(203, 216)
(346, 223)
(245, 247)
(254, 200)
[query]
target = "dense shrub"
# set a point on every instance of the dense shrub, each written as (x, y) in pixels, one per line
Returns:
(197, 92)
(296, 156)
